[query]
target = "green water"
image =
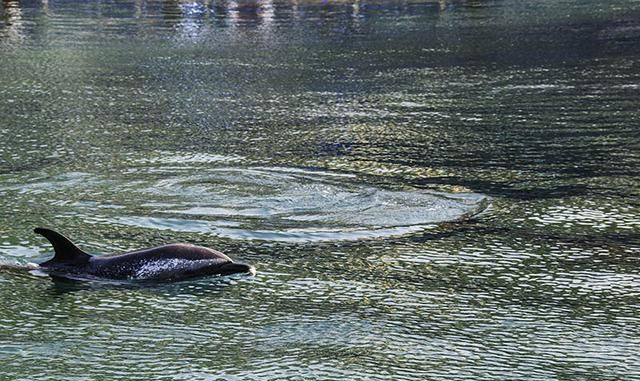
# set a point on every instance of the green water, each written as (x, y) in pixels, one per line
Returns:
(428, 190)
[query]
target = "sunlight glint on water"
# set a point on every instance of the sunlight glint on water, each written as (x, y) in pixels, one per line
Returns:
(428, 189)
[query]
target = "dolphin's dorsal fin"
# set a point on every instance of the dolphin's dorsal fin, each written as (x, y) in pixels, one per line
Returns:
(65, 250)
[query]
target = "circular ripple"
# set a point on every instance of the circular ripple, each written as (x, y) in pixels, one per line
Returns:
(288, 204)
(211, 195)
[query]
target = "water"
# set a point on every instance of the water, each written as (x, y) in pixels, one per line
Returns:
(428, 190)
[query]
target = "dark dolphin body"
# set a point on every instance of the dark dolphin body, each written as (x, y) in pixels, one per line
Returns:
(163, 263)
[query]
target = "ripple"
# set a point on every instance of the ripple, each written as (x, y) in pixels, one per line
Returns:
(225, 229)
(202, 194)
(597, 218)
(282, 131)
(168, 157)
(288, 204)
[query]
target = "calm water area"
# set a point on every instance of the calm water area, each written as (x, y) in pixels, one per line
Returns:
(429, 190)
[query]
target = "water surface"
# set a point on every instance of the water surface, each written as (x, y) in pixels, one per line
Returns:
(428, 190)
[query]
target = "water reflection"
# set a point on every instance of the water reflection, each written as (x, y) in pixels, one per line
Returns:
(194, 19)
(11, 24)
(464, 24)
(210, 286)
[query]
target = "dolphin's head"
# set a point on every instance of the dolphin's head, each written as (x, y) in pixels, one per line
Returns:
(235, 268)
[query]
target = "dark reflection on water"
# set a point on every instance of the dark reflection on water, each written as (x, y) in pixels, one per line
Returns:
(427, 189)
(214, 285)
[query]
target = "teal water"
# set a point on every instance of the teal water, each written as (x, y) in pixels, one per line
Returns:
(428, 190)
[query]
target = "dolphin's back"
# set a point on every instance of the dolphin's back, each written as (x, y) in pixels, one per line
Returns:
(158, 263)
(180, 250)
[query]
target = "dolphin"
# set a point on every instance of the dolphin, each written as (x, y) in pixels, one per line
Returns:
(171, 262)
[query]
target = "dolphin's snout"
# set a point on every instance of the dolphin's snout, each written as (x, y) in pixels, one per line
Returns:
(233, 268)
